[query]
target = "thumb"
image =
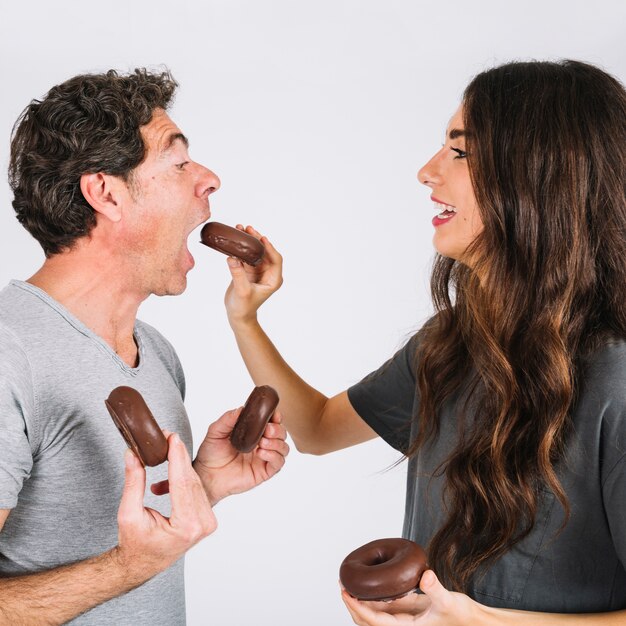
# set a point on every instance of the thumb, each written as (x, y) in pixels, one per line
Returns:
(223, 426)
(131, 504)
(236, 267)
(431, 586)
(238, 274)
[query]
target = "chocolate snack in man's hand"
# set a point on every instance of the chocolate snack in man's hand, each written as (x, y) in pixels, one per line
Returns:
(253, 419)
(233, 242)
(137, 425)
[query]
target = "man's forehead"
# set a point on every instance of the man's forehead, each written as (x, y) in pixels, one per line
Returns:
(161, 132)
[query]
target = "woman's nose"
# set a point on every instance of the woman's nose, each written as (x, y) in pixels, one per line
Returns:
(430, 173)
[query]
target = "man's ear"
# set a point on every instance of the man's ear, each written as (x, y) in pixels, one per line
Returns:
(104, 193)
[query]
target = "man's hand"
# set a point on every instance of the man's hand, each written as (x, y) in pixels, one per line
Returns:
(251, 286)
(225, 471)
(148, 541)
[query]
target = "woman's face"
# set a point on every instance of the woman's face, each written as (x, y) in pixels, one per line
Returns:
(458, 221)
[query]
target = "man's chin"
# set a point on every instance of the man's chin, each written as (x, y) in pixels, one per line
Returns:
(175, 288)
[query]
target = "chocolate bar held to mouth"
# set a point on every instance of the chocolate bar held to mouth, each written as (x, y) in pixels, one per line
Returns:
(233, 242)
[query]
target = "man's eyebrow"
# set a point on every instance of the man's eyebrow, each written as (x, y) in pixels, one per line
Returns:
(169, 142)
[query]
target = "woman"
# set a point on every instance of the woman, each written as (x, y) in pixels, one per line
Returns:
(510, 403)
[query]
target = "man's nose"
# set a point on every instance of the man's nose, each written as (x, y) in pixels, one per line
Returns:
(208, 182)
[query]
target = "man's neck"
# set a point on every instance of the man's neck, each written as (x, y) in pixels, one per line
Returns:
(96, 292)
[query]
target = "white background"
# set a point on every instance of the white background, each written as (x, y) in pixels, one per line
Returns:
(316, 116)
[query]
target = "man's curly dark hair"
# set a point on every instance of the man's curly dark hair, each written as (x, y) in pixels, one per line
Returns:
(90, 123)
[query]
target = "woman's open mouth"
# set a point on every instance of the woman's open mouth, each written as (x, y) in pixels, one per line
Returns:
(446, 213)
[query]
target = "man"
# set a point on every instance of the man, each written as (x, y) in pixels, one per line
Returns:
(102, 178)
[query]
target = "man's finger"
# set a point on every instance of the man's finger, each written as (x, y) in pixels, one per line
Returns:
(131, 504)
(186, 492)
(274, 445)
(223, 426)
(277, 417)
(275, 431)
(273, 460)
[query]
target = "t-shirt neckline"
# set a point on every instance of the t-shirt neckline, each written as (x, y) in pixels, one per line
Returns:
(83, 329)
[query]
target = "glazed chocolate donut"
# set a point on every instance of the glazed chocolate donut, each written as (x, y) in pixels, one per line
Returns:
(233, 242)
(137, 425)
(384, 569)
(253, 419)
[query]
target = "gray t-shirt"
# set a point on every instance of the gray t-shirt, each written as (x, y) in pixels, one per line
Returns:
(580, 570)
(61, 456)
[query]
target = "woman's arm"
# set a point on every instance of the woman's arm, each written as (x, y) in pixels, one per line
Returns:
(440, 607)
(317, 424)
(526, 618)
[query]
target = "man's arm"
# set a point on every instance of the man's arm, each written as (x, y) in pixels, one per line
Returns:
(148, 544)
(60, 594)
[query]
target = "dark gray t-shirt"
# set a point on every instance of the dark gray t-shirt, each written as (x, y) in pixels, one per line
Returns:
(580, 570)
(61, 456)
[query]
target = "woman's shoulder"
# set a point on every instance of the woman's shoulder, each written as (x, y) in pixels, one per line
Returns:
(604, 370)
(611, 354)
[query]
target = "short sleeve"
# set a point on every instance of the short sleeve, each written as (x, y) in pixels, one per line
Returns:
(614, 495)
(613, 468)
(386, 399)
(17, 437)
(604, 394)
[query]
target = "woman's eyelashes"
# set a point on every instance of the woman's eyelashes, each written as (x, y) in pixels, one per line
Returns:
(461, 154)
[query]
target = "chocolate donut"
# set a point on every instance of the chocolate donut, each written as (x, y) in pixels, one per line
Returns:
(253, 419)
(137, 425)
(384, 569)
(233, 242)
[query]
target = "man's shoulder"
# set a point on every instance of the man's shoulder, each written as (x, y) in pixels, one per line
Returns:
(20, 308)
(10, 300)
(13, 320)
(12, 351)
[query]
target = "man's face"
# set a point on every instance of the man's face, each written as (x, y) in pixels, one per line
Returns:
(168, 197)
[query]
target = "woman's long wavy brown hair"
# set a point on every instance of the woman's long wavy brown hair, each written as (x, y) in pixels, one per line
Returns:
(546, 149)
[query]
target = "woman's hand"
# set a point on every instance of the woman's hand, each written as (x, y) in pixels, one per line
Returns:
(252, 286)
(437, 607)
